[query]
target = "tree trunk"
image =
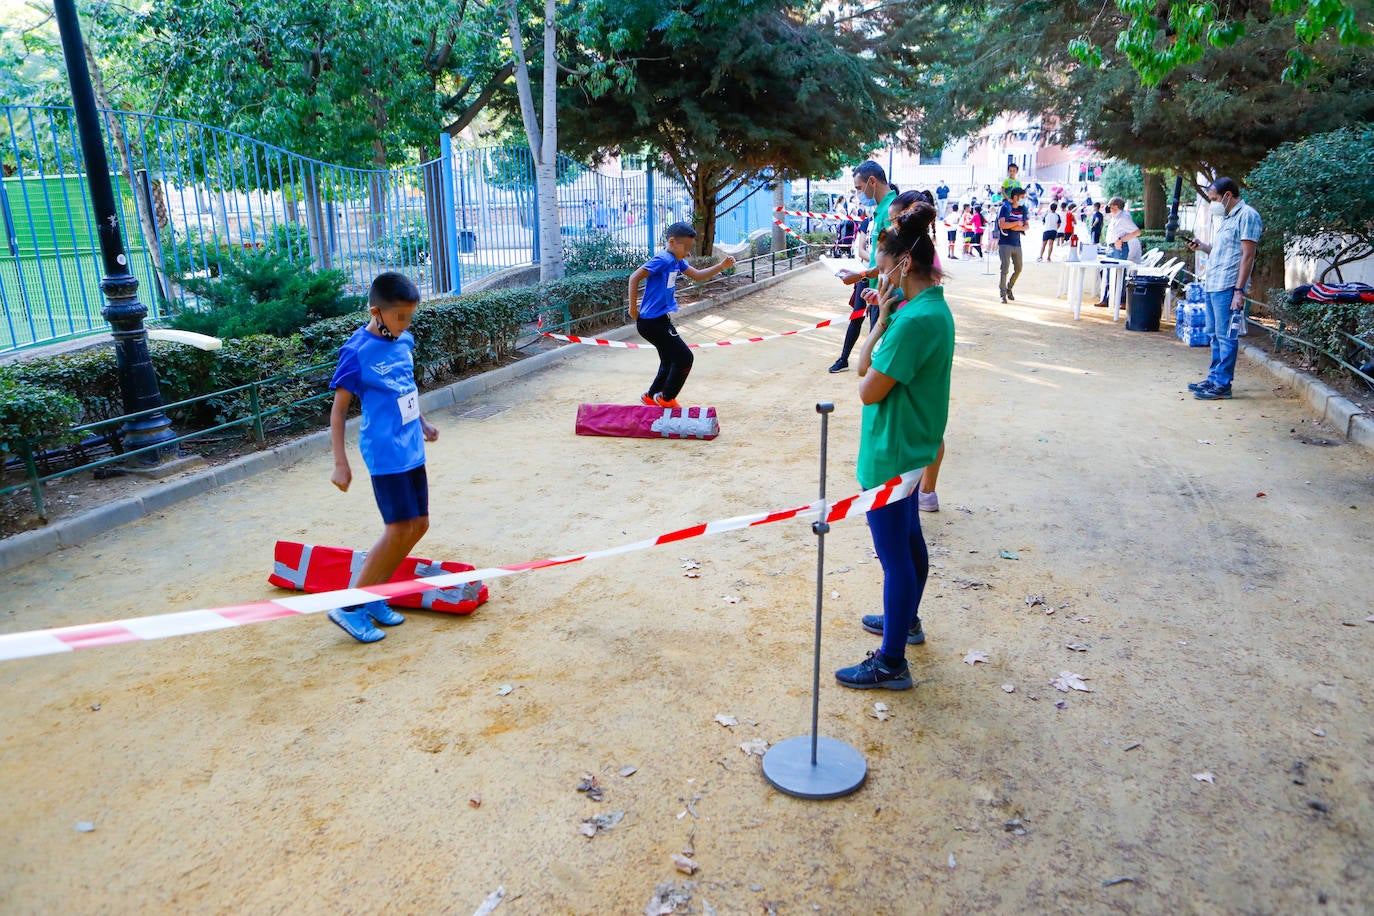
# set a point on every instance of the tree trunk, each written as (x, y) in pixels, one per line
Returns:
(701, 182)
(314, 219)
(376, 184)
(147, 219)
(543, 144)
(1156, 203)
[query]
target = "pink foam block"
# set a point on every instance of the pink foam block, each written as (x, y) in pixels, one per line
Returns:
(638, 421)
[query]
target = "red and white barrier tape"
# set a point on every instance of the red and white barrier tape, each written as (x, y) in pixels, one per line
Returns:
(183, 623)
(840, 217)
(602, 342)
(788, 229)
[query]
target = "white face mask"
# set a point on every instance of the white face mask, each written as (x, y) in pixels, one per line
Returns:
(1218, 208)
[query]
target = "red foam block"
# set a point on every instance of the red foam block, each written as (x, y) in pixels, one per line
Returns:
(311, 568)
(639, 421)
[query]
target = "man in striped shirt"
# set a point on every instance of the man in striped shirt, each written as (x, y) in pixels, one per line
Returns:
(1230, 262)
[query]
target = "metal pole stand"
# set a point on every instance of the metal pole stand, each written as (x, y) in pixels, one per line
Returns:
(816, 767)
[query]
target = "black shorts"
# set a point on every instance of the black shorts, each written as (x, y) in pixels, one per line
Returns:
(402, 497)
(1049, 234)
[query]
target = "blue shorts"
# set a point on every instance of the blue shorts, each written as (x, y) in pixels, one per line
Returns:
(403, 496)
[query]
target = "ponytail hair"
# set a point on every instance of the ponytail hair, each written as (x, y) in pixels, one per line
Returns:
(911, 236)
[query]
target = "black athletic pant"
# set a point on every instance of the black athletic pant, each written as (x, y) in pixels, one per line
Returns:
(856, 326)
(674, 357)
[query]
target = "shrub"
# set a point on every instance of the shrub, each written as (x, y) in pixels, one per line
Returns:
(1121, 179)
(262, 292)
(599, 252)
(29, 413)
(1316, 196)
(91, 376)
(407, 245)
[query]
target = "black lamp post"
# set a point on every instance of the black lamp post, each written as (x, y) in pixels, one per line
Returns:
(137, 379)
(1171, 227)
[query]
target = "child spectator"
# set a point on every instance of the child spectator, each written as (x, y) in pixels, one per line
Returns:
(1051, 224)
(659, 277)
(376, 366)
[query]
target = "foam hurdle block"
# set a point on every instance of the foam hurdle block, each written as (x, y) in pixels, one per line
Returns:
(639, 421)
(310, 568)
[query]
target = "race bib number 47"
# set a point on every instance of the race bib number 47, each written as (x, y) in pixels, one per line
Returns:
(409, 405)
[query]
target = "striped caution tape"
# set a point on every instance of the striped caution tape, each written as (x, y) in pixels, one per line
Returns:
(160, 626)
(602, 342)
(788, 229)
(839, 217)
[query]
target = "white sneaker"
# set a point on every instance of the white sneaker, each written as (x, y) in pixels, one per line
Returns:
(927, 502)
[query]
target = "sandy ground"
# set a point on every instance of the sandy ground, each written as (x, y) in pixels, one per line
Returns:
(1212, 560)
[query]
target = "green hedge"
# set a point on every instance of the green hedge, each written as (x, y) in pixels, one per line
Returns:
(42, 398)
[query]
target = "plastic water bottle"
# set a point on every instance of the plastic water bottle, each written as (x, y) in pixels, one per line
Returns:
(1238, 328)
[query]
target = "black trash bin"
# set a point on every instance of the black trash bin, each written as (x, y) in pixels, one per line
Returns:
(1145, 304)
(467, 241)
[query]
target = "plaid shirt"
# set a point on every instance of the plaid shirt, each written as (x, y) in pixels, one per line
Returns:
(1243, 223)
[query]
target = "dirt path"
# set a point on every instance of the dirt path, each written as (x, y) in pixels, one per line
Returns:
(281, 767)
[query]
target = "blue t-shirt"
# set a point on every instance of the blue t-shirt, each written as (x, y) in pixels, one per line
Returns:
(381, 374)
(1015, 215)
(658, 298)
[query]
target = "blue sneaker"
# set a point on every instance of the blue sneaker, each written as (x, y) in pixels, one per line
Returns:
(1213, 393)
(873, 672)
(356, 623)
(379, 611)
(873, 623)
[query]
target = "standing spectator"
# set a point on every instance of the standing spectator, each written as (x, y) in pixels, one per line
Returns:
(1123, 235)
(1050, 225)
(942, 195)
(1229, 268)
(1012, 221)
(1095, 226)
(870, 183)
(974, 238)
(1069, 229)
(953, 228)
(1011, 181)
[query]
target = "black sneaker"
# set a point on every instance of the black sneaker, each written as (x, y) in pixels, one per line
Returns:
(1198, 386)
(1010, 295)
(873, 623)
(1004, 298)
(872, 672)
(840, 366)
(1211, 392)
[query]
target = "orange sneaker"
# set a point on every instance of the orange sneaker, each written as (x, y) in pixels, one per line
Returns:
(647, 400)
(661, 401)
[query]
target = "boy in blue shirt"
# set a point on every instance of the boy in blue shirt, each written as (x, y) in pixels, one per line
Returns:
(376, 365)
(650, 316)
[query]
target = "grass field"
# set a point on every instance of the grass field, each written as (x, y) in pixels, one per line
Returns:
(57, 294)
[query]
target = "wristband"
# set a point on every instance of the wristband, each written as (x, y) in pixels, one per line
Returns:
(1238, 289)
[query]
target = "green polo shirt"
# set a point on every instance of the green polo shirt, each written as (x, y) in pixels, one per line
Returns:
(880, 222)
(903, 431)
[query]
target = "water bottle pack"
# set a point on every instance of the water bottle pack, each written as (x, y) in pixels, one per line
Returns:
(1190, 321)
(1194, 294)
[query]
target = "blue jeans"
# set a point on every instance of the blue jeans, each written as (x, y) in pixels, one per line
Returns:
(1224, 344)
(901, 550)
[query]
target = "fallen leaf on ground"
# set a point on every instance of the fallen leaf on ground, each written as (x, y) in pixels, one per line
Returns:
(952, 862)
(1084, 619)
(628, 771)
(593, 788)
(730, 599)
(974, 657)
(504, 690)
(1067, 681)
(841, 569)
(755, 748)
(880, 712)
(491, 903)
(693, 574)
(971, 583)
(600, 823)
(1260, 495)
(85, 827)
(1007, 555)
(689, 563)
(1033, 600)
(684, 864)
(834, 595)
(1061, 704)
(725, 720)
(1077, 647)
(668, 898)
(1009, 688)
(475, 801)
(1319, 732)
(1369, 619)
(1204, 442)
(1206, 777)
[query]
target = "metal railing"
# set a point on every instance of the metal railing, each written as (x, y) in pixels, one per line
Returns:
(189, 196)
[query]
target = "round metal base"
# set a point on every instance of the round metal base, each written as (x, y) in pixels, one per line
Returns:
(839, 769)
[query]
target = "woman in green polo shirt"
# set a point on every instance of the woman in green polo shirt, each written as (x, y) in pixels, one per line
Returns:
(904, 371)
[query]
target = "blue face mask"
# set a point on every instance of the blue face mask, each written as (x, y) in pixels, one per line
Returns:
(866, 200)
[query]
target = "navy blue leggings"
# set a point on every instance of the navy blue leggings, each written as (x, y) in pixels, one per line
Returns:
(901, 550)
(674, 357)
